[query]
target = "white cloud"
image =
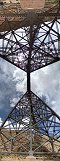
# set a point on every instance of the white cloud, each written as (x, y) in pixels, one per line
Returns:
(8, 93)
(47, 82)
(20, 78)
(14, 101)
(0, 121)
(8, 124)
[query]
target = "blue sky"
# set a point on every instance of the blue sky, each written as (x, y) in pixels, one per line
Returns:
(45, 81)
(10, 91)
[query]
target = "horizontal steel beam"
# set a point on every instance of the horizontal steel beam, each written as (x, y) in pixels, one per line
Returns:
(32, 13)
(34, 153)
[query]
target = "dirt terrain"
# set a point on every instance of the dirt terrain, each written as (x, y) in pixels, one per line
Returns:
(20, 158)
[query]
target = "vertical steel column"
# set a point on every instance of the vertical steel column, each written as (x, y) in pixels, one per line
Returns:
(29, 88)
(59, 44)
(30, 152)
(28, 80)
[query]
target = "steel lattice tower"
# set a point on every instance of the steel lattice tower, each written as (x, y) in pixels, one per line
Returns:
(32, 127)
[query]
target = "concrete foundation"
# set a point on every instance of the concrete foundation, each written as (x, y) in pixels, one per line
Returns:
(32, 4)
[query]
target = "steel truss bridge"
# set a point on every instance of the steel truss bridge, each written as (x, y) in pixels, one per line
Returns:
(30, 40)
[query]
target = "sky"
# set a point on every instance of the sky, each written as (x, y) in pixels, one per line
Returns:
(12, 87)
(44, 82)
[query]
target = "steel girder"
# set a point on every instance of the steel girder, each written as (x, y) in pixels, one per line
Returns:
(43, 40)
(30, 126)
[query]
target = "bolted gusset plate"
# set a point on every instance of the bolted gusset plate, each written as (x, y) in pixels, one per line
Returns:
(30, 116)
(38, 44)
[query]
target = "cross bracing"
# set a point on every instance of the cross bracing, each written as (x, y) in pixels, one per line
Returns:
(30, 44)
(45, 125)
(44, 45)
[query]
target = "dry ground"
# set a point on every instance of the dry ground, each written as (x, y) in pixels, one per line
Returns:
(18, 158)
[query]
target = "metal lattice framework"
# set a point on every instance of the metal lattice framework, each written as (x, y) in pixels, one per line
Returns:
(32, 126)
(41, 41)
(30, 121)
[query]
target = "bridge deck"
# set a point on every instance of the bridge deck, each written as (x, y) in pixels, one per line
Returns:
(12, 12)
